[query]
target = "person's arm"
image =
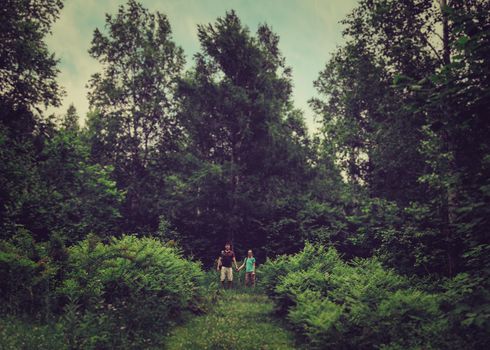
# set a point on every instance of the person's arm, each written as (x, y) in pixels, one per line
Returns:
(254, 267)
(241, 267)
(234, 260)
(219, 263)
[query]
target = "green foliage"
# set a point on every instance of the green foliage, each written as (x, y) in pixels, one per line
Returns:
(249, 143)
(17, 174)
(103, 295)
(20, 334)
(28, 70)
(70, 121)
(397, 180)
(130, 287)
(28, 276)
(82, 196)
(353, 305)
(466, 301)
(48, 183)
(134, 127)
(404, 119)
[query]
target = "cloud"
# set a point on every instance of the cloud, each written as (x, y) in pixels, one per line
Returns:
(70, 42)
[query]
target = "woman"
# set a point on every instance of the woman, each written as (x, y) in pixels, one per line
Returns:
(249, 264)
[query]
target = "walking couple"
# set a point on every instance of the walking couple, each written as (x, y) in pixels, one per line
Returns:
(225, 261)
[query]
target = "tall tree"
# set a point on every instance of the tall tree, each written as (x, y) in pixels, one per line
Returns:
(457, 133)
(27, 82)
(47, 184)
(237, 111)
(27, 69)
(393, 118)
(132, 97)
(374, 138)
(70, 120)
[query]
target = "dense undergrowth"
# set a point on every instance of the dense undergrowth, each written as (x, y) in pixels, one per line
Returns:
(363, 305)
(124, 293)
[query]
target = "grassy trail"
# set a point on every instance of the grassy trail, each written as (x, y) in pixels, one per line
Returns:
(240, 320)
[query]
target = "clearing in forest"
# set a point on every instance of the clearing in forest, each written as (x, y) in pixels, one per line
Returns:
(239, 320)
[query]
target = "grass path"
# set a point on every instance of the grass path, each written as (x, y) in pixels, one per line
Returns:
(240, 320)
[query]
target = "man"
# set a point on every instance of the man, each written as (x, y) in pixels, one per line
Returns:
(225, 262)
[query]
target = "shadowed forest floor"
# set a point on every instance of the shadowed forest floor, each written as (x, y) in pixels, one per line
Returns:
(239, 320)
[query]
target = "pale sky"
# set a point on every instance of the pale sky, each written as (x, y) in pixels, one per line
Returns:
(309, 32)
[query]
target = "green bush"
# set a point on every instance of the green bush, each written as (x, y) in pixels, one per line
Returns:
(273, 272)
(121, 292)
(411, 319)
(466, 301)
(28, 275)
(353, 305)
(318, 319)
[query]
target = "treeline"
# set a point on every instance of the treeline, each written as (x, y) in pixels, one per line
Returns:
(202, 156)
(398, 170)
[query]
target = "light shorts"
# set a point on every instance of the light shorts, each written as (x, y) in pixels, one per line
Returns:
(226, 273)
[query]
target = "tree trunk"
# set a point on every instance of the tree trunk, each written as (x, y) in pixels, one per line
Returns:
(448, 211)
(446, 56)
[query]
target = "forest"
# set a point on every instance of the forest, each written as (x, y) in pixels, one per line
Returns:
(370, 233)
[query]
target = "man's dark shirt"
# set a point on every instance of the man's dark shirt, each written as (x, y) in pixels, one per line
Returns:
(227, 257)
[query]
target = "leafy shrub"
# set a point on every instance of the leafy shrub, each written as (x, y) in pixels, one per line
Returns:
(410, 319)
(352, 305)
(98, 295)
(318, 319)
(121, 292)
(466, 301)
(28, 274)
(272, 273)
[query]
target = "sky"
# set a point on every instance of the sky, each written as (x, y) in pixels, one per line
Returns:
(309, 32)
